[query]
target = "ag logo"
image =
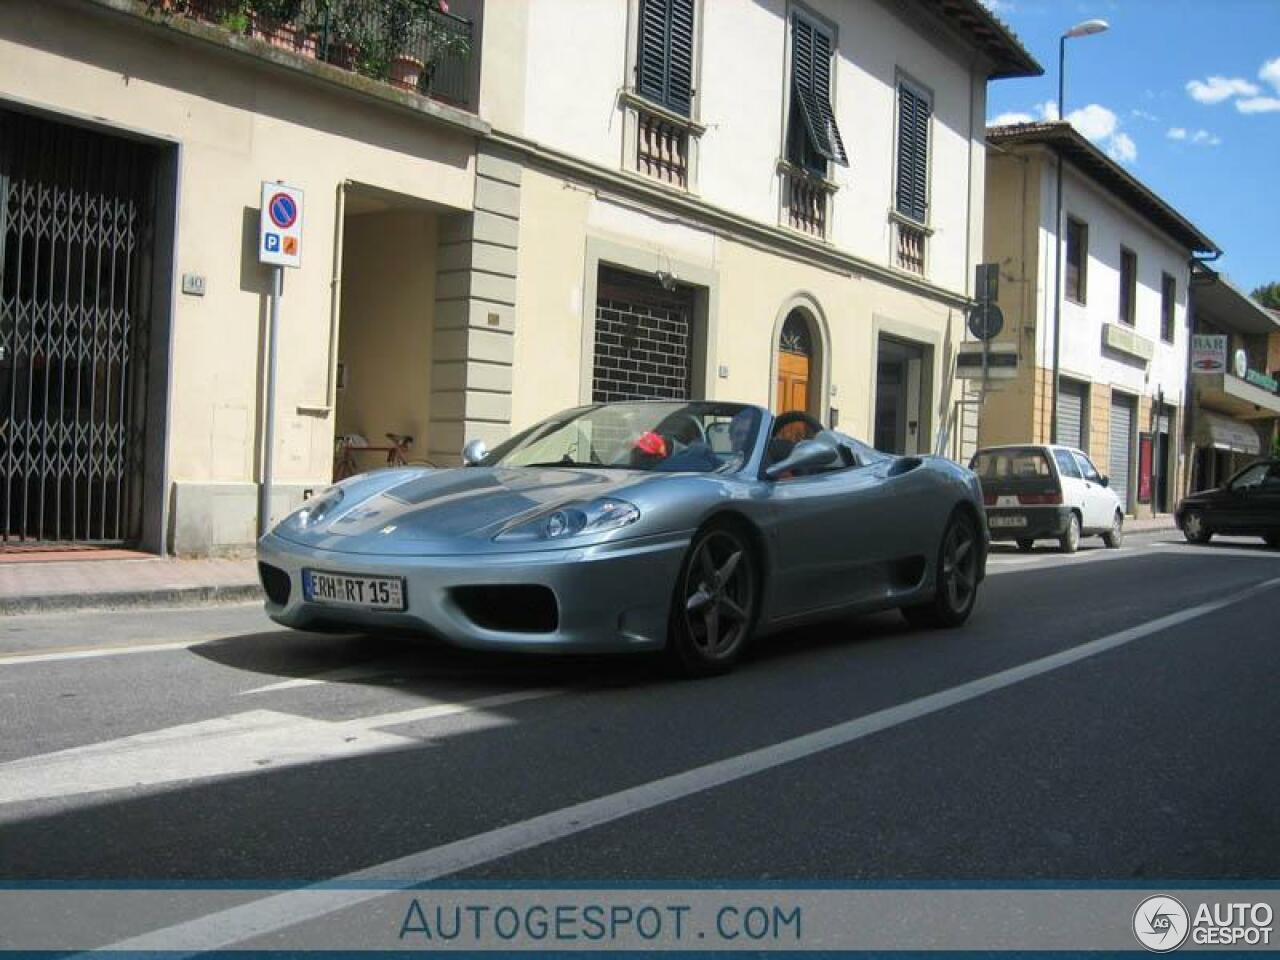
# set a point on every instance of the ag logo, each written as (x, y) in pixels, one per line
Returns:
(1161, 923)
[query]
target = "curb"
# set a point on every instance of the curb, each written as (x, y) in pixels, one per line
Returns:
(131, 599)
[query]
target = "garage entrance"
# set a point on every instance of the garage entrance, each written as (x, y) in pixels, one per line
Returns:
(77, 245)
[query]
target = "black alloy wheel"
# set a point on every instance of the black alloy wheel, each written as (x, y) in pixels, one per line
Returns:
(715, 603)
(957, 577)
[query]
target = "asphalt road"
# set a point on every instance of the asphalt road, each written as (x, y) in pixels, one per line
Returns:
(1107, 716)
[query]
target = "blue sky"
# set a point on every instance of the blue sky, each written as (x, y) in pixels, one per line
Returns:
(1184, 93)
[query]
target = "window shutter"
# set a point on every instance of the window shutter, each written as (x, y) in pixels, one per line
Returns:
(811, 88)
(913, 155)
(680, 58)
(664, 67)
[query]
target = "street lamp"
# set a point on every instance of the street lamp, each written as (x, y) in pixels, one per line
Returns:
(1085, 29)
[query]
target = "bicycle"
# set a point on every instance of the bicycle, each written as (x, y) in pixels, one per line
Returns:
(397, 451)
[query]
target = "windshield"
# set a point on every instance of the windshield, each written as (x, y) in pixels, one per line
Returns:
(1011, 463)
(698, 437)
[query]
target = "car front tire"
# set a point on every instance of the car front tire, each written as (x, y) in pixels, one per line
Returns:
(713, 611)
(1194, 528)
(956, 577)
(1069, 542)
(1114, 537)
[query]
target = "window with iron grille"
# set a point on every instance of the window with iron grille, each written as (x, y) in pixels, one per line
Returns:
(914, 113)
(1077, 259)
(813, 138)
(1168, 297)
(1128, 285)
(664, 61)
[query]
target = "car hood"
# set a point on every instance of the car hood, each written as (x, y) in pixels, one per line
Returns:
(423, 511)
(1205, 496)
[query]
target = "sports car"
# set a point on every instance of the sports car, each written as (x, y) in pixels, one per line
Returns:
(688, 527)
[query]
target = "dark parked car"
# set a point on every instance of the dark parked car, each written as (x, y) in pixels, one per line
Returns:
(1248, 505)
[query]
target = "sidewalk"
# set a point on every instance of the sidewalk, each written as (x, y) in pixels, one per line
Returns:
(47, 584)
(123, 580)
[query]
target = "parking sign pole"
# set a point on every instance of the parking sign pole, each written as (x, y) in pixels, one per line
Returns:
(269, 433)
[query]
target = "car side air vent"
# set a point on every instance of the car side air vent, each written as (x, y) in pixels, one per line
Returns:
(903, 465)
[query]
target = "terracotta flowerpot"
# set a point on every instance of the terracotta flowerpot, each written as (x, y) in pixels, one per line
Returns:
(286, 36)
(406, 71)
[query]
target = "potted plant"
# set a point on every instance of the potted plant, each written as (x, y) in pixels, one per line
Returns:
(276, 22)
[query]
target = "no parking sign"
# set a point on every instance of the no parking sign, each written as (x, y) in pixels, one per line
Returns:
(280, 225)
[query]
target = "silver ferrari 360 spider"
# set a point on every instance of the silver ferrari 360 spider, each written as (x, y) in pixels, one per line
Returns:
(688, 527)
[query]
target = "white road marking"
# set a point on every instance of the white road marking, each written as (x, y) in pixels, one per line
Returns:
(236, 744)
(224, 928)
(113, 650)
(363, 671)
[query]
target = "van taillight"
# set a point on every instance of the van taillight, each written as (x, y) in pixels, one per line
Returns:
(1040, 499)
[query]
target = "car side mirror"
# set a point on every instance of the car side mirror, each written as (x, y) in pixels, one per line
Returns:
(474, 452)
(1105, 480)
(807, 455)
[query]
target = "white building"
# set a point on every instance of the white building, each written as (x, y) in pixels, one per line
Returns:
(1122, 347)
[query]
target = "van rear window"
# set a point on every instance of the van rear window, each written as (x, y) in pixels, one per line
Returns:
(1012, 464)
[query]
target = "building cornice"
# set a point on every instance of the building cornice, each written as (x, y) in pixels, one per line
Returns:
(263, 52)
(735, 226)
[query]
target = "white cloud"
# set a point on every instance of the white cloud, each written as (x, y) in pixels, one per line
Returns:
(1121, 148)
(1048, 110)
(1095, 121)
(1205, 138)
(1216, 89)
(999, 6)
(1177, 133)
(1144, 115)
(1258, 105)
(1270, 73)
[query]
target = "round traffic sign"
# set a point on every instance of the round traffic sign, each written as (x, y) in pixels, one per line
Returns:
(283, 210)
(986, 320)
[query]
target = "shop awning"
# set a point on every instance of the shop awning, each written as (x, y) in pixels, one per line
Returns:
(1223, 433)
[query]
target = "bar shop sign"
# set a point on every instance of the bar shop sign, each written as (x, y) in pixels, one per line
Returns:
(1208, 353)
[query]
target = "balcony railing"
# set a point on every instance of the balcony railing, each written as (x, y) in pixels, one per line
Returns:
(410, 45)
(910, 247)
(662, 149)
(807, 200)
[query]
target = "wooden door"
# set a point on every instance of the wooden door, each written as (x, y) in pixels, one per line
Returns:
(793, 382)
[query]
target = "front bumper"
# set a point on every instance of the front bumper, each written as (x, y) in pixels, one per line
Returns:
(1037, 522)
(610, 597)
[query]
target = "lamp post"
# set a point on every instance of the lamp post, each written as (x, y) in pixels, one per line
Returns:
(1087, 28)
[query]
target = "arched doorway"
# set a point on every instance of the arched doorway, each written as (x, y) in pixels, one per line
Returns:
(796, 364)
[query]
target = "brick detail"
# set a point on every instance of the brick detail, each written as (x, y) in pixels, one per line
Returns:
(641, 350)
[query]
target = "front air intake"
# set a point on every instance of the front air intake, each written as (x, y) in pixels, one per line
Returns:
(517, 608)
(275, 582)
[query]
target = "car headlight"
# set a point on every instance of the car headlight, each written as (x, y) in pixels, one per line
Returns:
(575, 519)
(315, 509)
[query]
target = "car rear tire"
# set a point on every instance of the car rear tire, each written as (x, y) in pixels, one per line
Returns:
(1114, 537)
(716, 601)
(1069, 542)
(1194, 528)
(956, 577)
(1026, 545)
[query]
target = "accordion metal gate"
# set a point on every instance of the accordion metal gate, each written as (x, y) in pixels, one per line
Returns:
(76, 252)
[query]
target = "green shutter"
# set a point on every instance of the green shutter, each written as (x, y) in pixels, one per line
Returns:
(811, 89)
(664, 65)
(913, 155)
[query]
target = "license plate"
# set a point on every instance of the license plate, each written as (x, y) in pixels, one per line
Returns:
(1015, 521)
(348, 590)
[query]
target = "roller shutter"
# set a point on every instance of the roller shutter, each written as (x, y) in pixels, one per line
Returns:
(1071, 417)
(1121, 447)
